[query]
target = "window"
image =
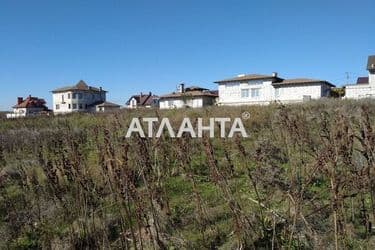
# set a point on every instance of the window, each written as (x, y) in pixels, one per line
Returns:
(80, 106)
(62, 98)
(69, 106)
(170, 103)
(57, 106)
(74, 95)
(244, 93)
(254, 93)
(80, 95)
(69, 96)
(74, 106)
(92, 96)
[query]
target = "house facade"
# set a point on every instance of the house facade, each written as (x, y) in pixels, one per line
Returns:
(264, 89)
(190, 97)
(365, 86)
(77, 98)
(143, 101)
(29, 106)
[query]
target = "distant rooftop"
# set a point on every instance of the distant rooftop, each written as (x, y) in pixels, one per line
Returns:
(106, 104)
(143, 99)
(276, 81)
(362, 80)
(30, 102)
(80, 86)
(193, 91)
(249, 77)
(301, 81)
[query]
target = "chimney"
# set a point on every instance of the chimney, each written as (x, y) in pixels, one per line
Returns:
(149, 93)
(274, 74)
(19, 100)
(181, 88)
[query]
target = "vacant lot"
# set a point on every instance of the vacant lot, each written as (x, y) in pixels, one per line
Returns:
(305, 178)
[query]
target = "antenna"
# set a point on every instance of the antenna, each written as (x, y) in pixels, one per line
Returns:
(347, 77)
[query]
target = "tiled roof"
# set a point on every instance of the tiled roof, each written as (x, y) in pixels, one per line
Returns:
(143, 99)
(31, 102)
(362, 80)
(81, 85)
(194, 93)
(191, 88)
(297, 81)
(249, 77)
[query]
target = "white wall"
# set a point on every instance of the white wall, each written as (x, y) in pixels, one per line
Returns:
(23, 112)
(171, 103)
(359, 91)
(196, 102)
(132, 103)
(296, 93)
(371, 78)
(63, 100)
(230, 93)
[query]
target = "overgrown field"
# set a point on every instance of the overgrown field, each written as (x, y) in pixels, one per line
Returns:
(304, 179)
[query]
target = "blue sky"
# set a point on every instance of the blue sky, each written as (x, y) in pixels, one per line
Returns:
(133, 46)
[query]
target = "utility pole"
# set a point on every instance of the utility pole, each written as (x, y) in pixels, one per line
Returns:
(347, 77)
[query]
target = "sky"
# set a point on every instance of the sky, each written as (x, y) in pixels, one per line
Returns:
(128, 47)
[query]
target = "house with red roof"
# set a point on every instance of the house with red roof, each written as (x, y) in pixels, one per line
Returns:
(142, 101)
(30, 106)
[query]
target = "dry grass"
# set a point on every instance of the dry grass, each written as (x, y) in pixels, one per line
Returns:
(304, 179)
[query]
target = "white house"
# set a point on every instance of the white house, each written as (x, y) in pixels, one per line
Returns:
(365, 86)
(143, 101)
(77, 98)
(190, 97)
(30, 106)
(265, 89)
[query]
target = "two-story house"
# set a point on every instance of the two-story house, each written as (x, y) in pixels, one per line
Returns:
(365, 86)
(190, 97)
(77, 98)
(265, 89)
(30, 106)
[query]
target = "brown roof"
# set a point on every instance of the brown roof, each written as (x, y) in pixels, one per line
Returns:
(371, 63)
(81, 85)
(298, 81)
(249, 77)
(362, 80)
(194, 93)
(143, 99)
(191, 88)
(31, 102)
(108, 104)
